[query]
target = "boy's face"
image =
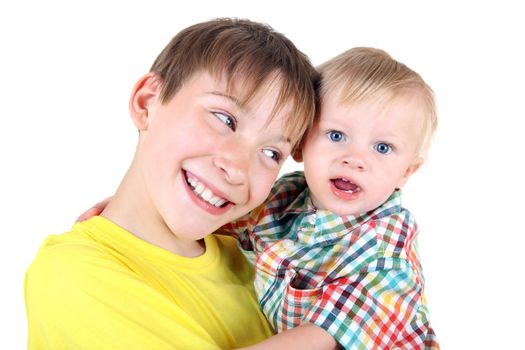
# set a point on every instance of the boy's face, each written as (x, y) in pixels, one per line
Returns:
(356, 156)
(205, 160)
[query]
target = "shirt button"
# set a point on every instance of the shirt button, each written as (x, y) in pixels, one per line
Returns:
(311, 219)
(287, 243)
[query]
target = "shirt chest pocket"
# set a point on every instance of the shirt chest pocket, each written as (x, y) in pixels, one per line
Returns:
(297, 300)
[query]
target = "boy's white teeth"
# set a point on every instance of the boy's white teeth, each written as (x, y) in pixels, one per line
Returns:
(205, 193)
(199, 188)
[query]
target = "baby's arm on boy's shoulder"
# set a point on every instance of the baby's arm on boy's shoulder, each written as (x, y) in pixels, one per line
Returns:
(94, 210)
(304, 337)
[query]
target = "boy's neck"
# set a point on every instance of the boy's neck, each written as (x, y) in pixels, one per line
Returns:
(132, 209)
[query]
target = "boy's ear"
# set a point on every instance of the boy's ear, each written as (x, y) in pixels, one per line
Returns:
(416, 164)
(144, 93)
(297, 154)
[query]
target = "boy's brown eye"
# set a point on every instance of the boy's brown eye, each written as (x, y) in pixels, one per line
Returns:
(226, 119)
(272, 154)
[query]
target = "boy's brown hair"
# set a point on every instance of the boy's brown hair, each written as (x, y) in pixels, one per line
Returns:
(363, 72)
(247, 54)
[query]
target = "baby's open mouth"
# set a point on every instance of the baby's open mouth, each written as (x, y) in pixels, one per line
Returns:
(205, 193)
(345, 185)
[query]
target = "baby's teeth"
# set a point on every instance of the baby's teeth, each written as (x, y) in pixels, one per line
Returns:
(220, 202)
(214, 200)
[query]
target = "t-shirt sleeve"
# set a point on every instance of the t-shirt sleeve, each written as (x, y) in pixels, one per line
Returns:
(81, 299)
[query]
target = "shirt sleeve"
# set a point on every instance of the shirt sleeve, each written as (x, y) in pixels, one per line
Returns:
(81, 299)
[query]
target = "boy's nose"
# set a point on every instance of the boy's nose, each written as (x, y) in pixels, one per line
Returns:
(234, 166)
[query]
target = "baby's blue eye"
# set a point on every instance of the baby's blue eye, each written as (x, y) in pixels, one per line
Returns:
(336, 136)
(383, 148)
(226, 119)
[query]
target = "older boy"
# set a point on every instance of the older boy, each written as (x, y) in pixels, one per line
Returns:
(223, 106)
(334, 249)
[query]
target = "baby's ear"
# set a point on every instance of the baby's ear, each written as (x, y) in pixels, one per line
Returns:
(144, 93)
(413, 167)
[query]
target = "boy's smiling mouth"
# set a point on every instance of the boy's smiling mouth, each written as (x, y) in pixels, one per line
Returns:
(204, 192)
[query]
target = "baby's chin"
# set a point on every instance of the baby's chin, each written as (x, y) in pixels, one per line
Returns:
(344, 208)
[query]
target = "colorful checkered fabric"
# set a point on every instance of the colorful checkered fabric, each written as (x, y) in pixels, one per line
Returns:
(357, 277)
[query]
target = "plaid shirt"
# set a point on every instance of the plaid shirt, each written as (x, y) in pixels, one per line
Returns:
(357, 277)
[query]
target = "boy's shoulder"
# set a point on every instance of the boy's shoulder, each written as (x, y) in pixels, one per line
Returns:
(64, 245)
(72, 252)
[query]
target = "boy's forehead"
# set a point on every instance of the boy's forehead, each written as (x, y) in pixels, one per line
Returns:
(246, 96)
(246, 91)
(237, 90)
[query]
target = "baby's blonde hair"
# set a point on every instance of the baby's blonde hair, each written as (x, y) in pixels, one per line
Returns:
(363, 72)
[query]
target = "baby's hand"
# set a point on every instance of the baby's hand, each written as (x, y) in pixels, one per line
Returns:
(94, 211)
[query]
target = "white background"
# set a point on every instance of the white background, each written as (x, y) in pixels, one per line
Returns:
(67, 68)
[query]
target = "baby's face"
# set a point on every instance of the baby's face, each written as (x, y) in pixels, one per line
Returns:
(356, 156)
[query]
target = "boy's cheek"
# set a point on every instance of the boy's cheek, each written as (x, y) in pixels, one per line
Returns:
(262, 188)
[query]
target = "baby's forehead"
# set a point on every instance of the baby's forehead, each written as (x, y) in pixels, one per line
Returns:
(383, 101)
(385, 111)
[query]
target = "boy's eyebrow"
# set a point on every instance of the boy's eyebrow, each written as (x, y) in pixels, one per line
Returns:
(283, 139)
(229, 97)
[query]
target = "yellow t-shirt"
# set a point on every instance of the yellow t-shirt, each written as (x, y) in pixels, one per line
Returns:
(100, 287)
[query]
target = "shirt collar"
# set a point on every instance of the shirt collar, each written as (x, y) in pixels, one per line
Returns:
(303, 205)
